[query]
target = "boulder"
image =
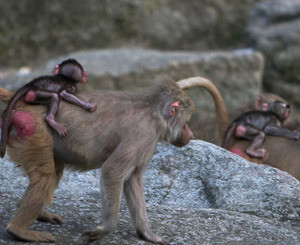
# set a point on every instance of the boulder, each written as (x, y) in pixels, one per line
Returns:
(202, 174)
(198, 194)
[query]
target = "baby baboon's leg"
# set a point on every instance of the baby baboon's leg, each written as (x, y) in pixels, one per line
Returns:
(256, 136)
(254, 149)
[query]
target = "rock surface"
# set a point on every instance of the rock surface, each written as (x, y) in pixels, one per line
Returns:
(199, 194)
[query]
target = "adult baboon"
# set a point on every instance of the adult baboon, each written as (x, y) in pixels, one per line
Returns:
(283, 153)
(119, 137)
(255, 125)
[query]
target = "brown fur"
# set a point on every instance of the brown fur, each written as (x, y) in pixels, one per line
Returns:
(48, 90)
(206, 129)
(282, 153)
(120, 137)
(36, 157)
(256, 124)
(266, 98)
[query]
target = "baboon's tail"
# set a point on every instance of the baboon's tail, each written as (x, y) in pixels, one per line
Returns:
(229, 133)
(222, 118)
(5, 95)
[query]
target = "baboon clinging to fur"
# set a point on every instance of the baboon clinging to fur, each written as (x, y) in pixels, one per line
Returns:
(48, 90)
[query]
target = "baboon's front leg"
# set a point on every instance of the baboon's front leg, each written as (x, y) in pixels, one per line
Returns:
(134, 195)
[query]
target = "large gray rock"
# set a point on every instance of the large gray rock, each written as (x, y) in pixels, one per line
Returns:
(199, 194)
(274, 30)
(237, 74)
(204, 175)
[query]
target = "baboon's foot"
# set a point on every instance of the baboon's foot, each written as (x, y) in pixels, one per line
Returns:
(96, 234)
(258, 153)
(29, 236)
(50, 218)
(92, 107)
(151, 237)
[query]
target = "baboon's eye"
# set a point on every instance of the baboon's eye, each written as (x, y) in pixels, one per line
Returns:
(173, 108)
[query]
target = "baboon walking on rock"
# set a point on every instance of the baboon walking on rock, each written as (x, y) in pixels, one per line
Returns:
(119, 137)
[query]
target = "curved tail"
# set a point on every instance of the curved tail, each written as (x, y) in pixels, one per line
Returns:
(222, 117)
(5, 95)
(229, 133)
(6, 115)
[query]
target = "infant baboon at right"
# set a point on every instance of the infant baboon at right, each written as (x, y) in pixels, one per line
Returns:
(255, 125)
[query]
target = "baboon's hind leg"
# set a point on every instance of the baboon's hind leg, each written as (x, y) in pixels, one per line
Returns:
(37, 195)
(35, 155)
(50, 217)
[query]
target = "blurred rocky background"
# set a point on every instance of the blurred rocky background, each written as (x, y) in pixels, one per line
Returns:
(33, 31)
(244, 47)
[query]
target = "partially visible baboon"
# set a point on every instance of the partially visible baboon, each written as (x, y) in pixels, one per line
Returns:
(206, 129)
(48, 90)
(255, 125)
(120, 138)
(282, 153)
(262, 101)
(287, 161)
